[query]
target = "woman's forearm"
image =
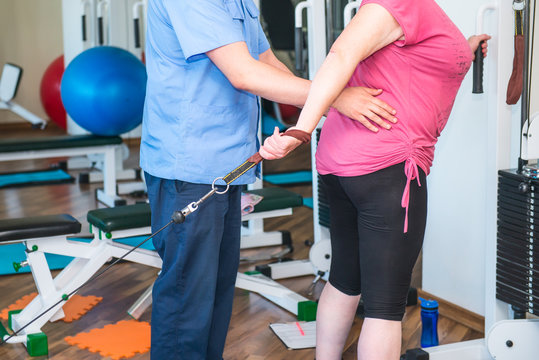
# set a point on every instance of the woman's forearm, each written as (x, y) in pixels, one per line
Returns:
(372, 28)
(328, 83)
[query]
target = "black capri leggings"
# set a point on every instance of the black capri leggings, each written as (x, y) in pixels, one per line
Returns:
(371, 255)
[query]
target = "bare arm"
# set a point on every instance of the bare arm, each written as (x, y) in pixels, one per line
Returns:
(371, 29)
(271, 79)
(358, 103)
(258, 77)
(268, 57)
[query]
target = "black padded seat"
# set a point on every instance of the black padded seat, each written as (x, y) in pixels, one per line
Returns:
(276, 198)
(38, 227)
(139, 215)
(120, 217)
(57, 142)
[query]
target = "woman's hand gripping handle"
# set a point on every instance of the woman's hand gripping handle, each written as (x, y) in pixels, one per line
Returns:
(279, 145)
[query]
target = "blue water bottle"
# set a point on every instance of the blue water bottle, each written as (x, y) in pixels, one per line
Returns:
(429, 323)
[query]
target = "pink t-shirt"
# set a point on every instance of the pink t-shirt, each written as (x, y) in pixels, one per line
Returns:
(420, 77)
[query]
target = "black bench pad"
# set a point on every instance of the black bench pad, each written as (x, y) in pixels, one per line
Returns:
(37, 227)
(57, 142)
(120, 217)
(139, 215)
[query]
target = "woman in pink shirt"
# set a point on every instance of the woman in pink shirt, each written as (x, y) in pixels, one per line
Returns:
(375, 180)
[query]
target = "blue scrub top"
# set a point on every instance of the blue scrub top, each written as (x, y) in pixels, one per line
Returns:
(196, 125)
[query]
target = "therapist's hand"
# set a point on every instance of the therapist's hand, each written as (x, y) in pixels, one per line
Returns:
(278, 145)
(361, 104)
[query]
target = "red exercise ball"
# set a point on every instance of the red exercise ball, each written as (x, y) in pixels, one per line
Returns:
(49, 91)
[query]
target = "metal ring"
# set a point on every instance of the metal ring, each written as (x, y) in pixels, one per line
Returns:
(215, 189)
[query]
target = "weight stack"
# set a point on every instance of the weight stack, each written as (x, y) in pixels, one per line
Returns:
(517, 262)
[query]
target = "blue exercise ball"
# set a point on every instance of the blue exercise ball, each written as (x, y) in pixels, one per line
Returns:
(103, 90)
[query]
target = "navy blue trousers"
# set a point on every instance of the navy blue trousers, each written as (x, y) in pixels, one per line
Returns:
(192, 296)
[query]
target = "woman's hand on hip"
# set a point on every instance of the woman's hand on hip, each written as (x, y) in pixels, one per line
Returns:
(361, 104)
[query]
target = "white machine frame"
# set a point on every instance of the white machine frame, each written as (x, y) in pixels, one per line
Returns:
(89, 258)
(82, 22)
(316, 50)
(9, 82)
(116, 18)
(107, 195)
(504, 338)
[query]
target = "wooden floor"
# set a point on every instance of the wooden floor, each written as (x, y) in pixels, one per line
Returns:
(249, 336)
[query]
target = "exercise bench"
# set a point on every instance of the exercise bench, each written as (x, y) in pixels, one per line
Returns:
(114, 231)
(57, 234)
(131, 224)
(69, 146)
(134, 220)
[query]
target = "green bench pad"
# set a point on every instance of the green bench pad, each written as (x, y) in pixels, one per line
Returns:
(57, 142)
(138, 215)
(120, 217)
(276, 198)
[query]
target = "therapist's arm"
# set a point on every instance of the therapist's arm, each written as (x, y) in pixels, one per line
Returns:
(257, 77)
(270, 78)
(268, 57)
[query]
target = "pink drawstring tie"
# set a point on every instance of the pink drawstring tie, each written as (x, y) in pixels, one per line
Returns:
(412, 172)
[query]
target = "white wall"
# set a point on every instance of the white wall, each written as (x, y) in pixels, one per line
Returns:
(31, 37)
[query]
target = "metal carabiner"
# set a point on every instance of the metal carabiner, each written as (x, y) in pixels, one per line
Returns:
(518, 5)
(215, 189)
(179, 216)
(191, 208)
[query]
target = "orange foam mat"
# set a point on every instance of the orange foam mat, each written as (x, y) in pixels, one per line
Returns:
(17, 305)
(79, 305)
(121, 340)
(74, 308)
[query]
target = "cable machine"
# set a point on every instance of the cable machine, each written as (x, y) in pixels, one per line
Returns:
(463, 209)
(510, 280)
